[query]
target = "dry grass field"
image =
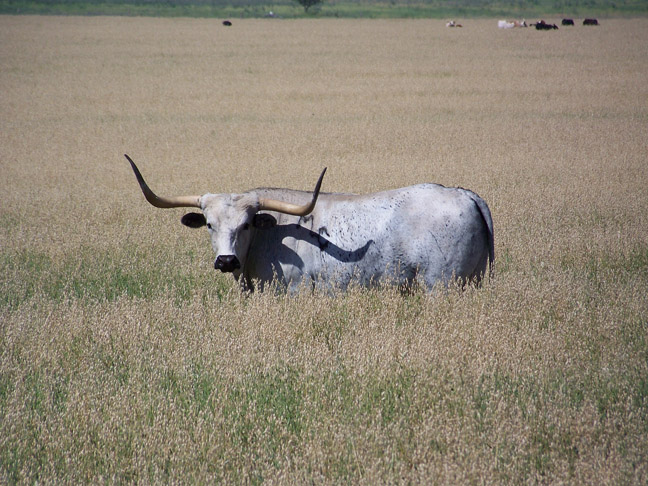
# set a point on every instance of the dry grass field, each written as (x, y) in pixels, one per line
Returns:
(124, 357)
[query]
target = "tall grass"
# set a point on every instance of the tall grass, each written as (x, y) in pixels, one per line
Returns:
(125, 357)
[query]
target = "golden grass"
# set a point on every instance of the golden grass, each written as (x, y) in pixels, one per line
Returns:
(123, 356)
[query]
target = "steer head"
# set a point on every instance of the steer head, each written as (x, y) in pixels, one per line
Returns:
(229, 218)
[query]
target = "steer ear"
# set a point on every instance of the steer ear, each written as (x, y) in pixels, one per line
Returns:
(194, 220)
(264, 221)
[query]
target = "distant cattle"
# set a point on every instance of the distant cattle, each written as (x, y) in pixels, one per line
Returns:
(227, 23)
(452, 23)
(542, 25)
(567, 21)
(590, 22)
(505, 24)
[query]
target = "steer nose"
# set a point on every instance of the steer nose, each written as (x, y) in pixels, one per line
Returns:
(227, 263)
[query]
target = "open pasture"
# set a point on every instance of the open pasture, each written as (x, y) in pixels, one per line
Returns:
(125, 357)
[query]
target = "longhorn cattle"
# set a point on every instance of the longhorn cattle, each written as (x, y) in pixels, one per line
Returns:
(425, 233)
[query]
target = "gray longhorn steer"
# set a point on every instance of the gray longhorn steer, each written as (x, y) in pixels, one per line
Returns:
(425, 232)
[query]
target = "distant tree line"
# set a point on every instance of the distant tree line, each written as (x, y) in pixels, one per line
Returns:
(341, 8)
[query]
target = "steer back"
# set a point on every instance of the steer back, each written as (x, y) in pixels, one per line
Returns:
(427, 232)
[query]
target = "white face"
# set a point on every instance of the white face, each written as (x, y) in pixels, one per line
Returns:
(229, 219)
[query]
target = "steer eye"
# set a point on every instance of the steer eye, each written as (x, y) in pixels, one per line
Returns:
(209, 226)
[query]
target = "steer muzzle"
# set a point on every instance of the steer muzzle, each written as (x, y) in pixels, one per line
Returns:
(227, 263)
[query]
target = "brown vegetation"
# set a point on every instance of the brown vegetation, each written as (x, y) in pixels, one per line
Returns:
(124, 356)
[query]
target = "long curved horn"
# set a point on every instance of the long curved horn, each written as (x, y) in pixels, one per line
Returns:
(163, 202)
(289, 208)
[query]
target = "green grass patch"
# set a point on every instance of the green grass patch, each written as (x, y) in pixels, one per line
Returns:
(598, 265)
(262, 418)
(100, 276)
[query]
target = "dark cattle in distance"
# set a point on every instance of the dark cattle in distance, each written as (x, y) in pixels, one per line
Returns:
(542, 25)
(590, 22)
(227, 23)
(567, 21)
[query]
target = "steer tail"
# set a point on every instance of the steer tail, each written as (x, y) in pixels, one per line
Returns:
(486, 216)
